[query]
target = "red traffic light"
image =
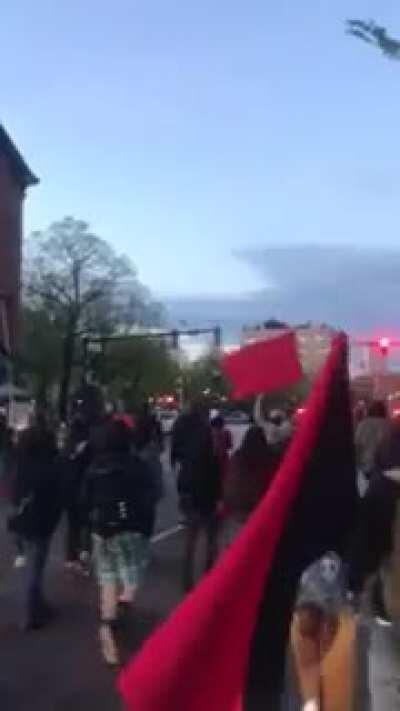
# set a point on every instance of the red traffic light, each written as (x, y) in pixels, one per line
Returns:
(384, 345)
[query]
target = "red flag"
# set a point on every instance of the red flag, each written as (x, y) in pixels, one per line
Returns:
(199, 658)
(264, 366)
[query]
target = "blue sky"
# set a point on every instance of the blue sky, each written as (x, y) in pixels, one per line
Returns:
(189, 132)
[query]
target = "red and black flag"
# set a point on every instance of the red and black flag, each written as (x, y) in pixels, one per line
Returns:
(224, 647)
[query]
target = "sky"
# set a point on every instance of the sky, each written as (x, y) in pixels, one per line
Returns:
(221, 145)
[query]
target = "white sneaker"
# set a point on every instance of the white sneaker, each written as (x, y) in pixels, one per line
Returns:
(20, 561)
(108, 646)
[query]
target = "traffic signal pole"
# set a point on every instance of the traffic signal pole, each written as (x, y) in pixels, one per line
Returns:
(174, 336)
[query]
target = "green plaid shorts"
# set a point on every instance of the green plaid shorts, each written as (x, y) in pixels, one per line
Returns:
(120, 559)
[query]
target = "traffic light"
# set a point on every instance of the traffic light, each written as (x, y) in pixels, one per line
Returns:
(384, 345)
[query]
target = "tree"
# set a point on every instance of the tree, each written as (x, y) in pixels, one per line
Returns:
(136, 369)
(288, 398)
(84, 287)
(376, 35)
(204, 378)
(40, 353)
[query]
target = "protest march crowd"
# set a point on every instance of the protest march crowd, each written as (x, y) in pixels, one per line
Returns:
(105, 479)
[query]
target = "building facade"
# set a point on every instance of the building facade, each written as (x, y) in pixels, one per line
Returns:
(15, 177)
(313, 341)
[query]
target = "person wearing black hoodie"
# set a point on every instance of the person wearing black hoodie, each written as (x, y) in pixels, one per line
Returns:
(37, 510)
(199, 485)
(118, 501)
(76, 460)
(147, 444)
(375, 571)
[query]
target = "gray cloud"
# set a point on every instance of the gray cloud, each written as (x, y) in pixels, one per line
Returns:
(349, 287)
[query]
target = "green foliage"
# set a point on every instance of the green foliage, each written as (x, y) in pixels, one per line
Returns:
(371, 33)
(40, 355)
(137, 369)
(204, 378)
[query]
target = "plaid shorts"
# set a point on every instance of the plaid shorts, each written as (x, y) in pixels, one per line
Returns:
(121, 559)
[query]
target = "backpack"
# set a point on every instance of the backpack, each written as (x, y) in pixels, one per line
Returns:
(111, 509)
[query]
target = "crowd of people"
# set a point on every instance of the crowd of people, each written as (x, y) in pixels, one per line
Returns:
(374, 576)
(106, 479)
(218, 488)
(103, 478)
(368, 578)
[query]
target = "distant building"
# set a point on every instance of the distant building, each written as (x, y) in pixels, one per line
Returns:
(314, 343)
(364, 386)
(15, 177)
(313, 340)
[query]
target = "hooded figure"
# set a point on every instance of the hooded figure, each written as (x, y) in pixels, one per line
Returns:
(375, 570)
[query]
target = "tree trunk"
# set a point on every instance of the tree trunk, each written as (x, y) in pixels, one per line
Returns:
(68, 359)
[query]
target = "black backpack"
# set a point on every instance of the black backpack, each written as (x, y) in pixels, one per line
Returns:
(111, 508)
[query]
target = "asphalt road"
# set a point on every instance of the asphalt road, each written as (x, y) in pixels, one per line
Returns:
(60, 668)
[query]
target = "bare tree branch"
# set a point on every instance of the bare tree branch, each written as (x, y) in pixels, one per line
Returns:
(374, 34)
(83, 284)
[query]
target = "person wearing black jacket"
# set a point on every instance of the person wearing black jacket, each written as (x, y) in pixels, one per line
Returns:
(118, 502)
(375, 571)
(199, 485)
(147, 444)
(76, 460)
(148, 429)
(37, 504)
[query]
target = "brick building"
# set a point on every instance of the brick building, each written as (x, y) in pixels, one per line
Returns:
(15, 177)
(313, 341)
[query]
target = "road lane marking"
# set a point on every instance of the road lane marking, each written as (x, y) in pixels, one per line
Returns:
(163, 535)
